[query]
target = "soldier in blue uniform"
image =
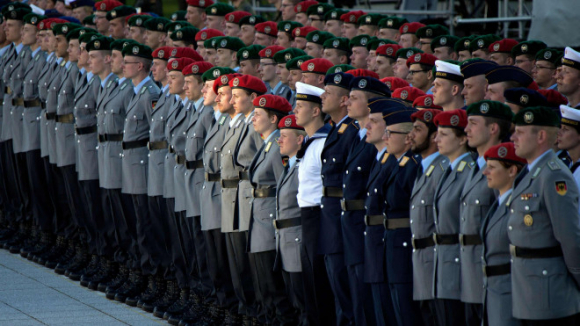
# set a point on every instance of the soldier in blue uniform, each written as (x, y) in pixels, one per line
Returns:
(569, 72)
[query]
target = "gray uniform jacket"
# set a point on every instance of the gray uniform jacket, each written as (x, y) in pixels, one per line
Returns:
(476, 199)
(43, 88)
(169, 166)
(55, 81)
(288, 240)
(230, 171)
(178, 137)
(31, 115)
(111, 82)
(135, 160)
(4, 58)
(65, 131)
(156, 171)
(423, 226)
(9, 60)
(197, 129)
(16, 83)
(544, 213)
(447, 270)
(265, 171)
(211, 191)
(85, 111)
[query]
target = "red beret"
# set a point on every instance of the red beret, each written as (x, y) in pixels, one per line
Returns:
(178, 64)
(426, 115)
(410, 28)
(316, 66)
(425, 102)
(273, 103)
(223, 80)
(352, 16)
(162, 53)
(303, 6)
(269, 28)
(504, 152)
(269, 51)
(388, 50)
(183, 52)
(234, 17)
(206, 34)
(289, 122)
(197, 68)
(303, 31)
(407, 93)
(554, 97)
(452, 119)
(250, 83)
(47, 23)
(395, 82)
(534, 86)
(423, 58)
(107, 5)
(504, 46)
(363, 73)
(199, 3)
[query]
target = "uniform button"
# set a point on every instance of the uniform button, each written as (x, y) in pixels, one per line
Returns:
(203, 187)
(404, 244)
(79, 141)
(463, 219)
(510, 228)
(422, 202)
(342, 213)
(477, 201)
(456, 260)
(346, 171)
(545, 272)
(365, 233)
(368, 194)
(375, 190)
(512, 210)
(343, 185)
(358, 168)
(321, 206)
(324, 161)
(333, 159)
(215, 148)
(527, 208)
(271, 215)
(464, 204)
(383, 239)
(412, 206)
(297, 239)
(411, 221)
(141, 161)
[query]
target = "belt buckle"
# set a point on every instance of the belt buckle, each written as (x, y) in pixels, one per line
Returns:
(483, 267)
(413, 243)
(367, 220)
(343, 204)
(385, 223)
(274, 222)
(149, 145)
(461, 239)
(206, 176)
(435, 238)
(513, 250)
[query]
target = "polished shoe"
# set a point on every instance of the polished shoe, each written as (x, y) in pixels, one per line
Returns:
(45, 243)
(81, 261)
(133, 288)
(59, 246)
(156, 287)
(212, 316)
(161, 305)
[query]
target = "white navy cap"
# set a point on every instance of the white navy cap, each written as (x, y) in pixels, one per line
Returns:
(571, 58)
(305, 92)
(570, 116)
(448, 70)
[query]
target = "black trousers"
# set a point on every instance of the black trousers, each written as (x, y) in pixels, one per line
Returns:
(41, 204)
(23, 187)
(187, 250)
(109, 240)
(473, 314)
(62, 218)
(200, 267)
(450, 312)
(427, 308)
(94, 223)
(295, 290)
(219, 270)
(11, 202)
(75, 200)
(158, 234)
(241, 273)
(123, 216)
(137, 231)
(573, 320)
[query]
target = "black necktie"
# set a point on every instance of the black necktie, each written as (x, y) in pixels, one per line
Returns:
(446, 174)
(521, 175)
(419, 171)
(574, 166)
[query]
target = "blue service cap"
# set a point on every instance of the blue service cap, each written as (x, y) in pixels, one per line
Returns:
(370, 84)
(52, 13)
(340, 79)
(385, 105)
(509, 73)
(71, 19)
(400, 116)
(476, 67)
(525, 97)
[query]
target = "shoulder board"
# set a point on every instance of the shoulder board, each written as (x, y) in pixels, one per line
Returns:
(404, 161)
(222, 119)
(37, 57)
(123, 86)
(69, 67)
(342, 128)
(414, 158)
(536, 173)
(62, 63)
(238, 123)
(553, 166)
(22, 54)
(268, 147)
(110, 83)
(143, 89)
(471, 165)
(354, 123)
(461, 166)
(385, 157)
(93, 78)
(430, 170)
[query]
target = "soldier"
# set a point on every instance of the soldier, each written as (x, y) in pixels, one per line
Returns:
(227, 52)
(386, 58)
(248, 29)
(156, 33)
(183, 37)
(408, 36)
(544, 71)
(117, 23)
(524, 54)
(316, 14)
(568, 77)
(284, 36)
(315, 41)
(196, 15)
(479, 46)
(500, 51)
(521, 97)
(360, 52)
(427, 34)
(314, 70)
(474, 82)
(389, 28)
(232, 22)
(137, 28)
(421, 71)
(299, 36)
(215, 15)
(266, 33)
(448, 86)
(462, 48)
(332, 22)
(269, 76)
(443, 47)
(400, 68)
(249, 60)
(287, 9)
(301, 10)
(568, 141)
(82, 9)
(502, 168)
(336, 50)
(504, 77)
(369, 24)
(101, 10)
(295, 73)
(539, 199)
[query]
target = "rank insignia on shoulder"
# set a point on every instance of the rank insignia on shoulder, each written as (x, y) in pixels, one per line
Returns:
(561, 188)
(143, 90)
(430, 170)
(62, 63)
(268, 147)
(553, 166)
(222, 119)
(342, 128)
(537, 172)
(528, 196)
(123, 86)
(385, 157)
(462, 166)
(37, 57)
(238, 123)
(109, 84)
(404, 161)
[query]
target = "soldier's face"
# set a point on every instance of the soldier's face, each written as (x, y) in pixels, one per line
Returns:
(194, 16)
(287, 9)
(300, 43)
(419, 137)
(312, 79)
(117, 63)
(215, 22)
(131, 66)
(41, 35)
(282, 72)
(96, 61)
(13, 29)
(211, 55)
(367, 29)
(448, 143)
(544, 73)
(192, 87)
(289, 142)
(264, 40)
(262, 122)
(523, 62)
(79, 13)
(29, 34)
(247, 67)
(375, 129)
(419, 78)
(444, 53)
(283, 39)
(61, 46)
(102, 22)
(333, 98)
(208, 94)
(241, 101)
(74, 51)
(442, 91)
(426, 45)
(153, 39)
(224, 58)
(316, 21)
(389, 34)
(246, 34)
(372, 60)
(83, 56)
(232, 29)
(267, 70)
(349, 30)
(358, 58)
(333, 56)
(384, 67)
(223, 98)
(357, 105)
(568, 80)
(495, 92)
(498, 177)
(407, 40)
(175, 80)
(478, 133)
(480, 54)
(302, 18)
(137, 34)
(525, 140)
(568, 138)
(396, 139)
(400, 68)
(474, 89)
(293, 77)
(463, 55)
(334, 27)
(50, 41)
(305, 112)
(500, 58)
(159, 70)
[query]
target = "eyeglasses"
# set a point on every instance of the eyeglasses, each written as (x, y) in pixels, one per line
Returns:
(389, 133)
(540, 67)
(412, 72)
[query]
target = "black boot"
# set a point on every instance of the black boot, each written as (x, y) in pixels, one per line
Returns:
(179, 306)
(96, 266)
(133, 288)
(106, 274)
(61, 256)
(115, 283)
(34, 240)
(161, 305)
(194, 304)
(155, 290)
(90, 269)
(45, 243)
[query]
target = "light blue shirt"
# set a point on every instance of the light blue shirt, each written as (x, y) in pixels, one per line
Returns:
(198, 104)
(82, 71)
(291, 161)
(59, 60)
(104, 82)
(428, 160)
(89, 76)
(277, 87)
(236, 69)
(4, 49)
(235, 119)
(381, 152)
(121, 80)
(481, 162)
(19, 48)
(35, 52)
(555, 86)
(48, 57)
(532, 165)
(505, 196)
(457, 160)
(67, 65)
(362, 133)
(430, 91)
(269, 137)
(138, 87)
(164, 88)
(217, 114)
(341, 121)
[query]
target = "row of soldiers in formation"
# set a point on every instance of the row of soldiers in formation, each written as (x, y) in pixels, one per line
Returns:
(183, 187)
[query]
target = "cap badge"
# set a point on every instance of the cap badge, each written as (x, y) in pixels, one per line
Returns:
(429, 32)
(103, 6)
(177, 26)
(298, 32)
(405, 28)
(388, 84)
(390, 23)
(202, 3)
(267, 29)
(214, 10)
(82, 32)
(428, 115)
(245, 54)
(268, 52)
(389, 51)
(502, 152)
(352, 18)
(288, 57)
(337, 69)
(320, 9)
(300, 62)
(173, 52)
(179, 34)
(160, 27)
(203, 36)
(252, 20)
(287, 27)
(480, 43)
(333, 14)
(135, 50)
(428, 101)
(174, 17)
(315, 37)
(466, 43)
(443, 41)
(524, 99)
(337, 79)
(113, 13)
(529, 117)
(409, 53)
(417, 57)
(160, 54)
(231, 18)
(299, 8)
(368, 19)
(224, 80)
(404, 95)
(496, 47)
(10, 8)
(174, 64)
(195, 69)
(223, 43)
(139, 22)
(335, 43)
(288, 122)
(13, 14)
(97, 45)
(41, 25)
(484, 108)
(524, 48)
(64, 28)
(34, 19)
(547, 55)
(362, 83)
(363, 41)
(454, 120)
(381, 43)
(311, 66)
(236, 82)
(263, 102)
(216, 73)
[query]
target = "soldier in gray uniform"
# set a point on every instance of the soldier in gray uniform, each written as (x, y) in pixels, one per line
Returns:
(433, 165)
(543, 227)
(270, 78)
(488, 123)
(7, 231)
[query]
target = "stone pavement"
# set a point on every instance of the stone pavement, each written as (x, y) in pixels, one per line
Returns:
(31, 294)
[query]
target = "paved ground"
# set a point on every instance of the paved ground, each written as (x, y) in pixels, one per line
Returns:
(31, 294)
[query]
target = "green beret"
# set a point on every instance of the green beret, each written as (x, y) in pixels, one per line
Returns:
(339, 43)
(549, 54)
(211, 43)
(13, 6)
(491, 109)
(339, 68)
(360, 40)
(64, 29)
(287, 26)
(250, 52)
(102, 43)
(33, 19)
(295, 63)
(17, 13)
(463, 43)
(157, 24)
(214, 72)
(185, 33)
(230, 43)
(76, 33)
(252, 20)
(392, 22)
(138, 50)
(374, 43)
(537, 116)
(318, 37)
(483, 42)
(138, 20)
(319, 9)
(89, 20)
(406, 53)
(444, 40)
(173, 26)
(286, 55)
(88, 36)
(121, 11)
(334, 14)
(219, 9)
(122, 43)
(370, 19)
(530, 47)
(178, 15)
(431, 31)
(559, 60)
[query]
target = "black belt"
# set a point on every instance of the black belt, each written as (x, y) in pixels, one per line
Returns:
(180, 159)
(110, 137)
(230, 183)
(192, 165)
(18, 101)
(549, 252)
(214, 177)
(470, 239)
(65, 118)
(264, 193)
(33, 103)
(171, 149)
(422, 243)
(244, 175)
(155, 145)
(286, 223)
(135, 144)
(372, 220)
(85, 130)
(332, 192)
(50, 115)
(352, 205)
(396, 223)
(445, 239)
(7, 90)
(496, 270)
(43, 105)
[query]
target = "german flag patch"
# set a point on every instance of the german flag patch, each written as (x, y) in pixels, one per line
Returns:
(561, 188)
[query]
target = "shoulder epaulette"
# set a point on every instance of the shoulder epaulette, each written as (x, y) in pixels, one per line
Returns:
(553, 165)
(354, 123)
(342, 128)
(385, 157)
(461, 166)
(404, 161)
(430, 170)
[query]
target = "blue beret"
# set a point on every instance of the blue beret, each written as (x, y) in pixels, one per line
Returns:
(71, 19)
(385, 105)
(525, 97)
(370, 84)
(508, 73)
(400, 116)
(52, 13)
(339, 79)
(476, 67)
